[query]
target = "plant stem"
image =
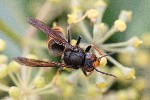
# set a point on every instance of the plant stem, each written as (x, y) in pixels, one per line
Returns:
(115, 50)
(115, 62)
(85, 30)
(120, 44)
(14, 79)
(108, 34)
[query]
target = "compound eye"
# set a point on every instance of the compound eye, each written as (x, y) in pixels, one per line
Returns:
(95, 63)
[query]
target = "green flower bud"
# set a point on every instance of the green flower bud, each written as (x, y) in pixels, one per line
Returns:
(14, 92)
(14, 66)
(3, 71)
(120, 25)
(92, 13)
(39, 82)
(3, 59)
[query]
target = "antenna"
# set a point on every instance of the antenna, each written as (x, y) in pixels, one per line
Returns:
(105, 73)
(105, 55)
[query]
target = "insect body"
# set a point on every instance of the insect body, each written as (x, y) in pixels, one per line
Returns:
(73, 56)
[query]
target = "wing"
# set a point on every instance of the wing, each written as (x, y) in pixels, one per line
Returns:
(50, 32)
(37, 63)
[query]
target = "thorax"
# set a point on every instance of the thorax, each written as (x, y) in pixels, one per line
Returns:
(74, 58)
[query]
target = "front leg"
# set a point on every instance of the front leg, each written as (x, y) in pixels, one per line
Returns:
(87, 74)
(69, 35)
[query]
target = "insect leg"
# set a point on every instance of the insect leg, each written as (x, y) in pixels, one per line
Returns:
(78, 41)
(105, 55)
(85, 73)
(69, 35)
(88, 48)
(100, 52)
(97, 49)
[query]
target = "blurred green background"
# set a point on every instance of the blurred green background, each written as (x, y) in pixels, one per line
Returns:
(13, 15)
(15, 12)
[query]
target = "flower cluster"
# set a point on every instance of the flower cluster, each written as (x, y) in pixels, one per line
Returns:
(101, 33)
(23, 87)
(141, 60)
(30, 83)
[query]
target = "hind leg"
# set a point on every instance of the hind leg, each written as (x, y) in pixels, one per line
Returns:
(87, 74)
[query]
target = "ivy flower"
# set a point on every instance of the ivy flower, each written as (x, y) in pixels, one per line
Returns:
(102, 33)
(29, 84)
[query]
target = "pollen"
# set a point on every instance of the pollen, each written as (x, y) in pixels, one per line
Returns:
(103, 27)
(100, 82)
(92, 13)
(137, 42)
(73, 42)
(102, 85)
(100, 29)
(129, 73)
(125, 15)
(120, 25)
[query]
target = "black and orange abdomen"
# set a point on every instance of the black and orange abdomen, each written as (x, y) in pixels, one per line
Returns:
(55, 49)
